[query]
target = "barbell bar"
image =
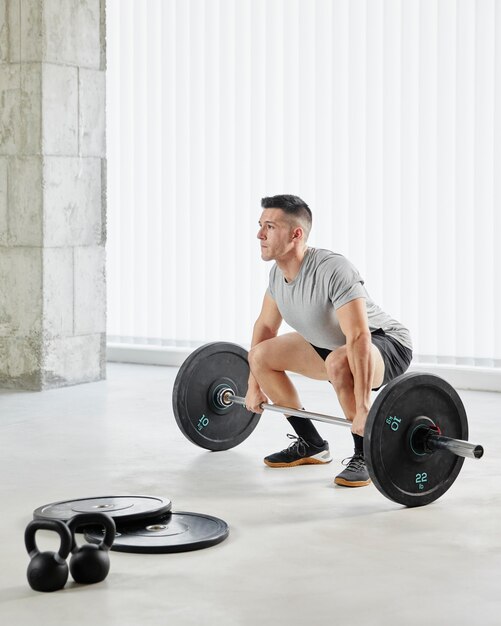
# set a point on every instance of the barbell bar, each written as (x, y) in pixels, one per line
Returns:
(415, 421)
(433, 440)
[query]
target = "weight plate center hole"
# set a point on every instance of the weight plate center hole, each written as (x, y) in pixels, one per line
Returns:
(419, 432)
(219, 396)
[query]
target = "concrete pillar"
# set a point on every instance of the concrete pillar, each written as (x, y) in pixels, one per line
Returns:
(52, 192)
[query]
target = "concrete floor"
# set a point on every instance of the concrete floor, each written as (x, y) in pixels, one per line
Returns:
(300, 550)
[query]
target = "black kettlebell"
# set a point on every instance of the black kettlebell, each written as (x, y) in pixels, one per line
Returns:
(90, 563)
(47, 571)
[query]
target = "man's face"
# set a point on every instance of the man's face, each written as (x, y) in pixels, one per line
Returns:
(275, 234)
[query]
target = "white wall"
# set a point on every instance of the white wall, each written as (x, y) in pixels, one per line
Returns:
(385, 116)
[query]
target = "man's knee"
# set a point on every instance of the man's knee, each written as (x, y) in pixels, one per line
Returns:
(258, 356)
(338, 368)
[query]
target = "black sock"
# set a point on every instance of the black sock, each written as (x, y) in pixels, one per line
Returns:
(304, 428)
(359, 444)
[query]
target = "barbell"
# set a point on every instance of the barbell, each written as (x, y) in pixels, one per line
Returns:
(415, 438)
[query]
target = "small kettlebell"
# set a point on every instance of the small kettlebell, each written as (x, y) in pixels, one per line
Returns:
(90, 563)
(47, 571)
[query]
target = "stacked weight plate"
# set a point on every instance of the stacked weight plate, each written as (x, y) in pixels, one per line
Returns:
(145, 524)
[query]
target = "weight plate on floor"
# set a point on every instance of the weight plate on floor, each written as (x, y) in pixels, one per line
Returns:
(201, 378)
(122, 509)
(175, 532)
(401, 473)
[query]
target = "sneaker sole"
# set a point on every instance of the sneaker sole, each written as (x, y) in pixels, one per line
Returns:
(352, 483)
(307, 461)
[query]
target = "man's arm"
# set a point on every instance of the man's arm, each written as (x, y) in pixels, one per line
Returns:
(355, 326)
(266, 327)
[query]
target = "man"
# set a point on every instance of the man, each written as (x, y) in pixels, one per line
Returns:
(341, 336)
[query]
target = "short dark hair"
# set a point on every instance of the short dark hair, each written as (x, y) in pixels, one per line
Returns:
(291, 205)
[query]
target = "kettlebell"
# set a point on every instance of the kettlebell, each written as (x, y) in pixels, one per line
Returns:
(47, 571)
(90, 563)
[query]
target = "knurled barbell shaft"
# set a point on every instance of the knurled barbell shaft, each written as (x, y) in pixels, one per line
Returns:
(319, 417)
(434, 441)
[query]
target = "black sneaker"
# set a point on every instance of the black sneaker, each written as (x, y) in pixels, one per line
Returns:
(355, 474)
(300, 452)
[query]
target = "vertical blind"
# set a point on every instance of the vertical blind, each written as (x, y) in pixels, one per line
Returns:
(383, 115)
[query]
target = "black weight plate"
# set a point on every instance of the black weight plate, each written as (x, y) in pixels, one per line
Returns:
(122, 509)
(197, 417)
(176, 532)
(397, 472)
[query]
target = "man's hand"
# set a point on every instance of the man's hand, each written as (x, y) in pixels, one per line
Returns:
(253, 399)
(358, 424)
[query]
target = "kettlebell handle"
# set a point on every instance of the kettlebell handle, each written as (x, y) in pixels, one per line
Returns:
(54, 525)
(97, 519)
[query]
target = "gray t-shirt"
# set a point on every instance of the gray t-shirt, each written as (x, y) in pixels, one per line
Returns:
(325, 282)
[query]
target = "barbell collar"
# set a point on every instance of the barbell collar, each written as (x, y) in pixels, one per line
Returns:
(456, 446)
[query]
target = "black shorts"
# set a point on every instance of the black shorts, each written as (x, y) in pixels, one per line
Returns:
(396, 357)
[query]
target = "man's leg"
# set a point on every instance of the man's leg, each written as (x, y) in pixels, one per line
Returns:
(341, 377)
(269, 361)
